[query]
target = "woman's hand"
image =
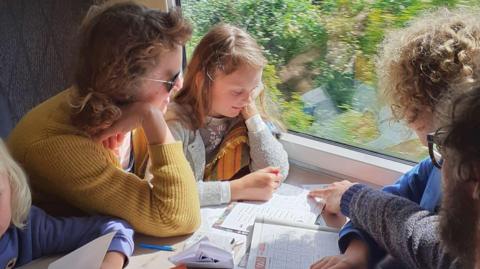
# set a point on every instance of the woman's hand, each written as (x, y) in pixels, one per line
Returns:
(113, 260)
(136, 115)
(114, 142)
(132, 117)
(258, 185)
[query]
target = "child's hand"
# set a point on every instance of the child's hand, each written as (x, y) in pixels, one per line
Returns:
(355, 257)
(258, 185)
(113, 260)
(250, 110)
(337, 262)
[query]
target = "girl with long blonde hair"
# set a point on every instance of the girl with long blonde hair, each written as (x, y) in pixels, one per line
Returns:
(228, 142)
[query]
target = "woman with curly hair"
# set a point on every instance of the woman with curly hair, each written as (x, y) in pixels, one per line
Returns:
(418, 67)
(129, 62)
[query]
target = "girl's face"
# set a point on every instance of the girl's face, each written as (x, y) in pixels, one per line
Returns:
(423, 125)
(157, 92)
(5, 204)
(231, 93)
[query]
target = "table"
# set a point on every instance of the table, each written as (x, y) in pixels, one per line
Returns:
(150, 259)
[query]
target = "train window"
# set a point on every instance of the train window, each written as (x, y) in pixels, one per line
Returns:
(321, 64)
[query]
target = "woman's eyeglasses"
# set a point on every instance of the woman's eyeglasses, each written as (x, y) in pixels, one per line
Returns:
(434, 147)
(169, 83)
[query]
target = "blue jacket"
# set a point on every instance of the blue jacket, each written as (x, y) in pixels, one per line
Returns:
(421, 185)
(45, 235)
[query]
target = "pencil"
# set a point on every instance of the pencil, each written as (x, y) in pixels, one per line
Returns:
(157, 247)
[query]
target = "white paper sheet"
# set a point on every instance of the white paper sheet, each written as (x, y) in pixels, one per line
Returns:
(311, 187)
(90, 255)
(277, 246)
(226, 240)
(204, 254)
(209, 216)
(289, 203)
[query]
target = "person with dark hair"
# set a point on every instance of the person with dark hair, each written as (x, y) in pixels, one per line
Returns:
(414, 236)
(459, 146)
(129, 63)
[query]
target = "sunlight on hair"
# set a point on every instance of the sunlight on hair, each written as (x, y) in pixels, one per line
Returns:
(21, 196)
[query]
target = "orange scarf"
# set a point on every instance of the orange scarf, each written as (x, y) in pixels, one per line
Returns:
(233, 156)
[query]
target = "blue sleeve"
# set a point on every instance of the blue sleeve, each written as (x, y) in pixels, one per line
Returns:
(61, 235)
(350, 232)
(411, 186)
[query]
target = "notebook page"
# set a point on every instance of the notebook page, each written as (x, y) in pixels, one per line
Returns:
(288, 203)
(288, 247)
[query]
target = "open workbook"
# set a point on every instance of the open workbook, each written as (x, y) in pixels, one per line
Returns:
(280, 244)
(289, 203)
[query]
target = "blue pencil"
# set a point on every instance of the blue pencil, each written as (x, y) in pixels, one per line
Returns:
(157, 247)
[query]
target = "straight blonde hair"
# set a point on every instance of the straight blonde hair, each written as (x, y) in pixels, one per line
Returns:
(21, 198)
(224, 48)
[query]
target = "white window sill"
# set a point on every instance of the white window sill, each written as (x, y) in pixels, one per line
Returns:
(342, 162)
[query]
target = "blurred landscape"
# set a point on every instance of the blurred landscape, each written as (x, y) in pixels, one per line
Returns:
(321, 76)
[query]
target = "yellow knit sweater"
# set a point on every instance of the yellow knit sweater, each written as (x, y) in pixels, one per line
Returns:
(66, 166)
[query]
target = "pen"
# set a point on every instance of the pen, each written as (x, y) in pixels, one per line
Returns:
(157, 247)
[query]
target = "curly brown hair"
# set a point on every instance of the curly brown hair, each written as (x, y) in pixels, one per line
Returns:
(417, 65)
(119, 44)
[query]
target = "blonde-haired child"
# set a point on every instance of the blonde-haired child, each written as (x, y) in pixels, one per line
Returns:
(27, 232)
(232, 151)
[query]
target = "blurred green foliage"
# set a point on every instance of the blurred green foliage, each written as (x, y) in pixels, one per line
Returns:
(344, 36)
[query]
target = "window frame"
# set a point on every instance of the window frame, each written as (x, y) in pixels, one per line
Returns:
(342, 161)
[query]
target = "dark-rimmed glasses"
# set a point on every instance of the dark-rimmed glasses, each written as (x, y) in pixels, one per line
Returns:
(434, 147)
